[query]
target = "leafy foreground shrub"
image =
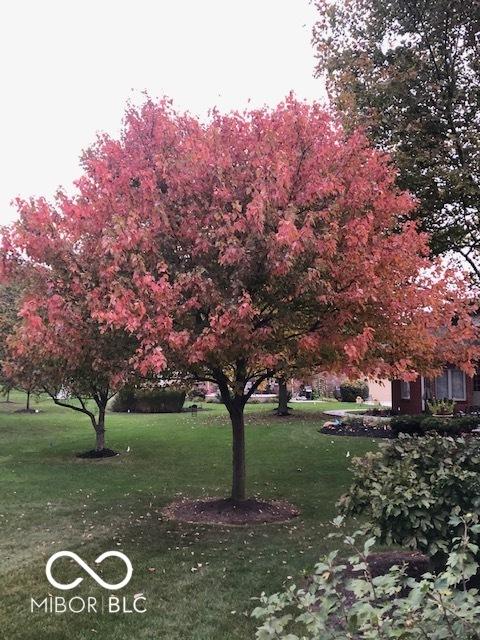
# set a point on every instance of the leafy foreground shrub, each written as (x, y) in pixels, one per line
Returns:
(335, 606)
(408, 490)
(349, 391)
(148, 400)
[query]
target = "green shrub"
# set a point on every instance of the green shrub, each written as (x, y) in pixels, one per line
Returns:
(450, 426)
(411, 425)
(421, 424)
(350, 391)
(408, 490)
(156, 400)
(337, 605)
(124, 400)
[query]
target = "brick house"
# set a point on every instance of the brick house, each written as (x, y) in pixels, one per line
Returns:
(454, 384)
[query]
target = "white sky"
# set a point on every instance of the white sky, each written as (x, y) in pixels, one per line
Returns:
(68, 67)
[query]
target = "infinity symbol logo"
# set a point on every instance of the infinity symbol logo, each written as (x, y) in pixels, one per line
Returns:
(87, 569)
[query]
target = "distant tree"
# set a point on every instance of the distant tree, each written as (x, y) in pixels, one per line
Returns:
(10, 300)
(8, 318)
(409, 71)
(283, 408)
(256, 241)
(57, 352)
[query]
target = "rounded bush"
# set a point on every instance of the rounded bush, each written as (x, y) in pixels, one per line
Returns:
(156, 400)
(350, 391)
(408, 490)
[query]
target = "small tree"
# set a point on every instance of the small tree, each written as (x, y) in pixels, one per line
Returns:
(68, 358)
(56, 346)
(10, 295)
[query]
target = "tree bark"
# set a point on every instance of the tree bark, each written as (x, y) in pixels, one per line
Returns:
(235, 404)
(99, 426)
(238, 454)
(282, 409)
(28, 400)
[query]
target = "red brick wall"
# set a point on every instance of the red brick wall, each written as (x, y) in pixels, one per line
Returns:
(412, 406)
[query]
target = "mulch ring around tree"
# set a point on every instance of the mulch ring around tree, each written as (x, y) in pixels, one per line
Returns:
(223, 511)
(93, 454)
(26, 411)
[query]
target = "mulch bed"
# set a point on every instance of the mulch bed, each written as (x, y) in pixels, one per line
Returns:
(379, 563)
(27, 411)
(223, 511)
(354, 431)
(93, 454)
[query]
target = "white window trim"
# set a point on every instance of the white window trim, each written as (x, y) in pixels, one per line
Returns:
(405, 391)
(450, 386)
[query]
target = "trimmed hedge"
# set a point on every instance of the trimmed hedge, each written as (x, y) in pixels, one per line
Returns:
(349, 391)
(410, 425)
(148, 400)
(418, 425)
(451, 426)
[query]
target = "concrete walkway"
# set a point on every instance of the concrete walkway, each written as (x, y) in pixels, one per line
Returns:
(340, 413)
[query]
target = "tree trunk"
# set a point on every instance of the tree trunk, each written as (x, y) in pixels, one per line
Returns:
(28, 400)
(282, 409)
(238, 454)
(99, 426)
(8, 396)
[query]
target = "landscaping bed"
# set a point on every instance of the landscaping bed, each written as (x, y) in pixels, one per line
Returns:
(385, 426)
(359, 426)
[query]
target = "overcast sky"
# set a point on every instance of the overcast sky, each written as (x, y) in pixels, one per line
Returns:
(68, 67)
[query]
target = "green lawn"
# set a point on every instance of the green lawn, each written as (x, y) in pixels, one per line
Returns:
(52, 501)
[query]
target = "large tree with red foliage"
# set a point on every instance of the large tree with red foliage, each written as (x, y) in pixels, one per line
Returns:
(256, 243)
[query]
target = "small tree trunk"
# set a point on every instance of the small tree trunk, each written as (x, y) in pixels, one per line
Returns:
(282, 409)
(100, 430)
(8, 395)
(28, 400)
(238, 453)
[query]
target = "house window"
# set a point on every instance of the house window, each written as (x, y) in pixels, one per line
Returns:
(476, 382)
(404, 390)
(451, 385)
(441, 385)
